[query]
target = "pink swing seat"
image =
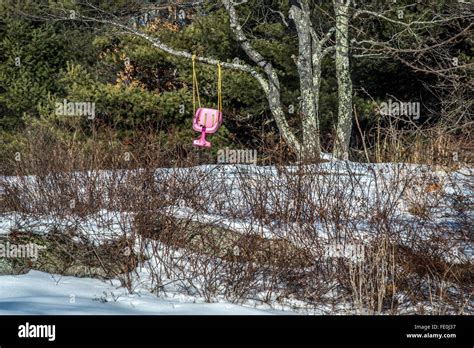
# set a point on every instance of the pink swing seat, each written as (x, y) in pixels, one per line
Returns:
(206, 121)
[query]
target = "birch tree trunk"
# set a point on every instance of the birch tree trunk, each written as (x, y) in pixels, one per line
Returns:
(344, 82)
(270, 88)
(309, 91)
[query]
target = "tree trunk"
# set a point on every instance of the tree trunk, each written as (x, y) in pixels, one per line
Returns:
(270, 88)
(309, 102)
(344, 83)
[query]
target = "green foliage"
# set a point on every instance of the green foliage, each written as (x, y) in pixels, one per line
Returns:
(30, 61)
(86, 62)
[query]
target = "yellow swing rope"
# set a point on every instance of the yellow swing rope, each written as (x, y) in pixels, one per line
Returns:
(219, 87)
(196, 86)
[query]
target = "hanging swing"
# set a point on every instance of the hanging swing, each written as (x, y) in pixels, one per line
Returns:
(206, 121)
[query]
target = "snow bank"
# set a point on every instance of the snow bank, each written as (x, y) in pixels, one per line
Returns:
(38, 293)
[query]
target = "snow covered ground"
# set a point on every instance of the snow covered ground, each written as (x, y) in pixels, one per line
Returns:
(38, 293)
(42, 293)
